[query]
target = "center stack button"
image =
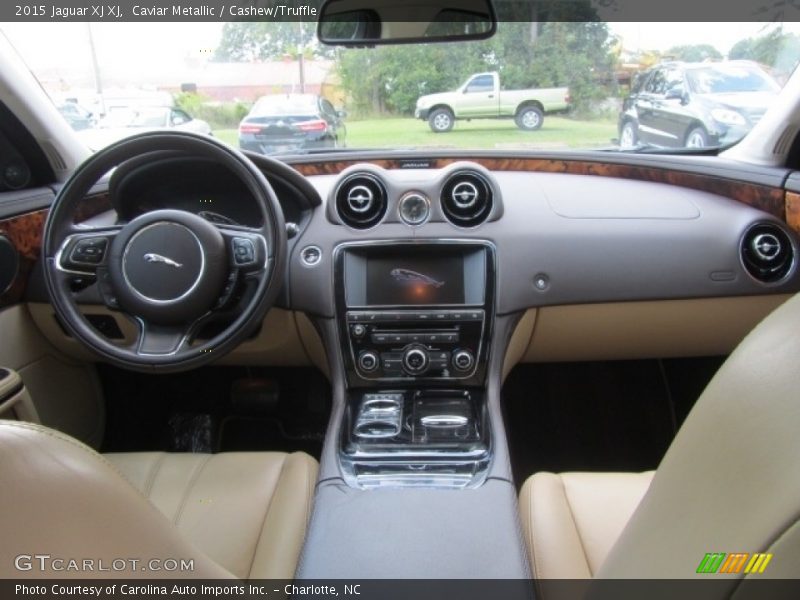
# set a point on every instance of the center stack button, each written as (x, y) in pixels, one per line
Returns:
(368, 361)
(415, 360)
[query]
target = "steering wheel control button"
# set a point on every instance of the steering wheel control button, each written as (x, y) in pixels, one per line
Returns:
(244, 252)
(368, 361)
(227, 291)
(106, 289)
(415, 360)
(310, 256)
(88, 251)
(463, 360)
(414, 209)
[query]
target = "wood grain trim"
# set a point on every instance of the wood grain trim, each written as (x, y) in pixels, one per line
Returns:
(793, 211)
(768, 199)
(92, 206)
(25, 233)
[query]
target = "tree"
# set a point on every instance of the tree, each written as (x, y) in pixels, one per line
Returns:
(267, 40)
(694, 53)
(775, 49)
(550, 54)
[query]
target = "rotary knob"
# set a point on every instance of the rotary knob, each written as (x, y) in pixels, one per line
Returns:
(368, 361)
(415, 360)
(463, 360)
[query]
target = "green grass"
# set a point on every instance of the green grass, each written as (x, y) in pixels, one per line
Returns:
(229, 136)
(556, 132)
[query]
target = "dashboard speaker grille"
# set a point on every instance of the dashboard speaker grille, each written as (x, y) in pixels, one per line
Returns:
(361, 200)
(467, 198)
(767, 252)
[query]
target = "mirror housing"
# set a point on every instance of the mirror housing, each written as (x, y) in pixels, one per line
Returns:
(676, 93)
(373, 22)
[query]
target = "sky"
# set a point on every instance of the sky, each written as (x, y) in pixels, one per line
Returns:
(137, 47)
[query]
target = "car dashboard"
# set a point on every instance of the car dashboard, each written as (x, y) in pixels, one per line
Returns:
(416, 283)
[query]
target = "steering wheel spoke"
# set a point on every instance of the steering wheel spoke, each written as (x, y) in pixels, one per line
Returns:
(248, 251)
(84, 252)
(162, 340)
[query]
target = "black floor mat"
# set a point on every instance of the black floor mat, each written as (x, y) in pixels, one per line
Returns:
(205, 410)
(265, 433)
(598, 416)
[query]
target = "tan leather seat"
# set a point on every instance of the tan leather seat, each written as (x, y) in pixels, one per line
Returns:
(237, 515)
(728, 483)
(571, 520)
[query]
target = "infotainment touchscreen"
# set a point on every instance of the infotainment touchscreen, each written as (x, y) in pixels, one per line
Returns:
(416, 279)
(445, 274)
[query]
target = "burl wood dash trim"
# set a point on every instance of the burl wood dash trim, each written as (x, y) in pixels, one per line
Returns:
(768, 199)
(25, 233)
(793, 210)
(92, 206)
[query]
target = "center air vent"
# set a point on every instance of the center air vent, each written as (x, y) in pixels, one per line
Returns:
(466, 199)
(767, 252)
(361, 200)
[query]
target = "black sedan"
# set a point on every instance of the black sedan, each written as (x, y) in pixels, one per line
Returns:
(695, 105)
(290, 122)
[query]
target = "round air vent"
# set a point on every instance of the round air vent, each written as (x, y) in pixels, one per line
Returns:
(361, 200)
(466, 199)
(767, 252)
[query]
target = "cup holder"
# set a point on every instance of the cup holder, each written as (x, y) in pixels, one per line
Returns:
(379, 416)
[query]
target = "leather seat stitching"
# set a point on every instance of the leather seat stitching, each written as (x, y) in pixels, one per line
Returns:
(198, 469)
(309, 494)
(266, 514)
(56, 435)
(575, 524)
(154, 470)
(531, 534)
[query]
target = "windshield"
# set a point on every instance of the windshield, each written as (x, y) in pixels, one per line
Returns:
(281, 104)
(273, 88)
(730, 80)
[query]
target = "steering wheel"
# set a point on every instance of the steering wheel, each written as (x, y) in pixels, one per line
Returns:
(169, 271)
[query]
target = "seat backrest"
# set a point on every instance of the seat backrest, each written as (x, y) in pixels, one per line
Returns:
(730, 481)
(63, 500)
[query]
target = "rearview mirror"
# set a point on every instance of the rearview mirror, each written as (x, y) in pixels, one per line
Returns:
(370, 22)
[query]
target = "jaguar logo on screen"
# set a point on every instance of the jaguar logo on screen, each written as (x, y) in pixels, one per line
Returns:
(412, 277)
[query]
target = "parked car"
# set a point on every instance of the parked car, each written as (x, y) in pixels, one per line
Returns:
(481, 97)
(125, 121)
(695, 105)
(77, 116)
(285, 122)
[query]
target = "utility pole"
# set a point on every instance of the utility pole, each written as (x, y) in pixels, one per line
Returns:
(302, 59)
(98, 85)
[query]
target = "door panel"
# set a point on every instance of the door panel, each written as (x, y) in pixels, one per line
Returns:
(479, 98)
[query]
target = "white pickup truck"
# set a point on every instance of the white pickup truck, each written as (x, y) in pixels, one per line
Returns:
(481, 98)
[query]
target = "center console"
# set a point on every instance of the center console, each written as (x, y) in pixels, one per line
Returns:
(414, 321)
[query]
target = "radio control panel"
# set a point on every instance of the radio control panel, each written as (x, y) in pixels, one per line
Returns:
(413, 343)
